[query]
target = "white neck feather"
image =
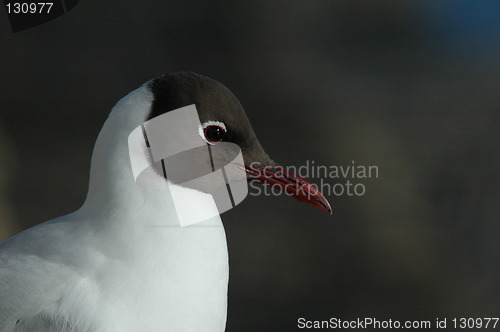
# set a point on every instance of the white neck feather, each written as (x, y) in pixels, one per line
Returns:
(157, 275)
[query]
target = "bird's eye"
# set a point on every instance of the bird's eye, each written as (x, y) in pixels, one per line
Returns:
(213, 131)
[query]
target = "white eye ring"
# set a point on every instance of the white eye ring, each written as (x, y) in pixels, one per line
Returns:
(201, 129)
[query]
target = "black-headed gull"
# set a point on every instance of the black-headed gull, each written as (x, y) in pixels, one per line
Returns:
(145, 252)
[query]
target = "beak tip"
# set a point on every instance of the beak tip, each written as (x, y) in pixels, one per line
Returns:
(325, 206)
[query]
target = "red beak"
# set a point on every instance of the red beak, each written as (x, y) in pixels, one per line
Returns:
(292, 184)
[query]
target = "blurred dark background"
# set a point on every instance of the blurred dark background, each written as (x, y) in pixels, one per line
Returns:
(410, 86)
